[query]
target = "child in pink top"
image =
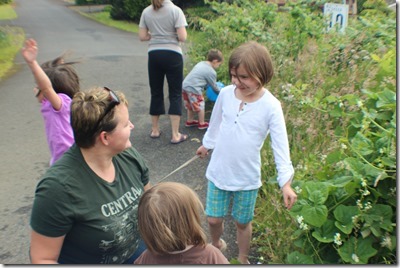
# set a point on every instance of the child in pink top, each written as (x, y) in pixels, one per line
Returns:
(57, 82)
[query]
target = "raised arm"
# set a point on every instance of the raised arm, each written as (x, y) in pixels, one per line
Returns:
(29, 52)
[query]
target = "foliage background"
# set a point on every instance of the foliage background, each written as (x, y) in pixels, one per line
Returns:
(338, 92)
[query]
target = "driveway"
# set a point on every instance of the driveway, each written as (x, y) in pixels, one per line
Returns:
(108, 57)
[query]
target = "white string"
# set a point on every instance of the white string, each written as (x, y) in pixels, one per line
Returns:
(182, 166)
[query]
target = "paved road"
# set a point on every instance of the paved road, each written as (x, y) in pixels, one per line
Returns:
(108, 57)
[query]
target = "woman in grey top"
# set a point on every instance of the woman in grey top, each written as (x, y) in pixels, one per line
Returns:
(163, 24)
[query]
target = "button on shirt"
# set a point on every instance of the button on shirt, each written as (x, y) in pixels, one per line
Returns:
(237, 136)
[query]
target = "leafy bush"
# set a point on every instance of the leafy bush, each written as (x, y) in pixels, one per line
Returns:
(338, 92)
(128, 9)
(92, 2)
(132, 9)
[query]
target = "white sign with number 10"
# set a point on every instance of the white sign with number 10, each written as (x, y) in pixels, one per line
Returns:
(338, 14)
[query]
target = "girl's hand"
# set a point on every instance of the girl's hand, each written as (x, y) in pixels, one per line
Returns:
(202, 151)
(30, 50)
(289, 196)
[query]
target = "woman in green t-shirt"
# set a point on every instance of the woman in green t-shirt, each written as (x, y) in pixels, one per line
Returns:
(85, 207)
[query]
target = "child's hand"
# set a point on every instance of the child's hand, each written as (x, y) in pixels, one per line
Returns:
(202, 151)
(30, 50)
(289, 196)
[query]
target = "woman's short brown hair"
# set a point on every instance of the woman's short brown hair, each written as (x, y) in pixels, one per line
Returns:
(255, 59)
(170, 218)
(87, 109)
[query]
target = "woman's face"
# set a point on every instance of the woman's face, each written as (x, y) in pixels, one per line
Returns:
(119, 137)
(246, 84)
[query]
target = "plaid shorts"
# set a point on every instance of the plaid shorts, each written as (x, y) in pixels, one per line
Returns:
(217, 203)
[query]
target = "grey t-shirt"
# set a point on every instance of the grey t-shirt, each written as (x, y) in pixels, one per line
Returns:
(98, 218)
(162, 25)
(199, 77)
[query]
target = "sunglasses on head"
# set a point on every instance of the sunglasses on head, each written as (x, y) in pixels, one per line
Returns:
(114, 101)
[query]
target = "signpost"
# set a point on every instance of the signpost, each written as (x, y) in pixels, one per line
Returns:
(339, 14)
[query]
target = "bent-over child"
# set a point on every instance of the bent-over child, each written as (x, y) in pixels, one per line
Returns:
(170, 225)
(243, 115)
(57, 82)
(202, 74)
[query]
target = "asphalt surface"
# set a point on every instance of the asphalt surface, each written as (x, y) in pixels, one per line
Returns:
(109, 57)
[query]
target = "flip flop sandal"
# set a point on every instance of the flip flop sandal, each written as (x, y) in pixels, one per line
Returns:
(155, 137)
(182, 139)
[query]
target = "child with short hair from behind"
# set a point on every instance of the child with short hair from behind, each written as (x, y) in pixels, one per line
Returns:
(170, 225)
(202, 74)
(57, 82)
(243, 116)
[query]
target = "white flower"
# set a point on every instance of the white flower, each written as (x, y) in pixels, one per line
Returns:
(303, 226)
(359, 205)
(299, 219)
(298, 190)
(337, 240)
(355, 258)
(365, 193)
(386, 242)
(363, 183)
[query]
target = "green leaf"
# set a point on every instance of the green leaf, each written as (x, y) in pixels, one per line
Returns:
(334, 157)
(389, 162)
(371, 172)
(342, 181)
(379, 217)
(387, 98)
(317, 197)
(298, 258)
(362, 144)
(355, 165)
(317, 191)
(326, 232)
(315, 215)
(375, 57)
(352, 187)
(343, 215)
(357, 251)
(336, 111)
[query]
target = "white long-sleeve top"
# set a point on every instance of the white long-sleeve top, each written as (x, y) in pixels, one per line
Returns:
(237, 136)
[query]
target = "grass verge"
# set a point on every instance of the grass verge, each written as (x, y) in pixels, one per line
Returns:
(104, 18)
(11, 40)
(7, 12)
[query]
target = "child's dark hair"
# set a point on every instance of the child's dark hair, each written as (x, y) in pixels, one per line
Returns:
(215, 54)
(62, 75)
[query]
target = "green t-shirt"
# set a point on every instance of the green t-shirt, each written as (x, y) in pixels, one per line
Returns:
(98, 218)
